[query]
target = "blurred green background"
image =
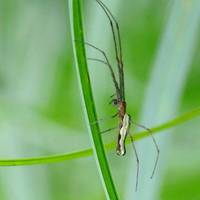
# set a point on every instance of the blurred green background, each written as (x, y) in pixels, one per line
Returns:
(41, 110)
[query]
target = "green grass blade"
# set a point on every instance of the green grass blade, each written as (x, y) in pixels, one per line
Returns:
(88, 102)
(164, 90)
(88, 152)
(171, 123)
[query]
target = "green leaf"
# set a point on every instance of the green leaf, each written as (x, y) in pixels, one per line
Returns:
(88, 102)
(88, 152)
(164, 90)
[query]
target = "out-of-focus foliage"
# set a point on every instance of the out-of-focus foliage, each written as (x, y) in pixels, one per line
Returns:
(40, 108)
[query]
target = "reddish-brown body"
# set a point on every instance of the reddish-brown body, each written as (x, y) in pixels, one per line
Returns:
(122, 109)
(121, 112)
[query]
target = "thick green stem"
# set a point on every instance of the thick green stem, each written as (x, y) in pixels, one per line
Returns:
(88, 101)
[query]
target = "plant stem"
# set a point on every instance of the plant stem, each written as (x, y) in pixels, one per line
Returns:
(88, 101)
(88, 152)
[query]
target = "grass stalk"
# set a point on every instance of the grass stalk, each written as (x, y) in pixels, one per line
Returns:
(88, 152)
(88, 101)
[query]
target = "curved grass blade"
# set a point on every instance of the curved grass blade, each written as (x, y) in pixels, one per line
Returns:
(88, 102)
(169, 74)
(88, 152)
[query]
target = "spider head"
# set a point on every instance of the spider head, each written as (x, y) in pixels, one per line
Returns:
(114, 102)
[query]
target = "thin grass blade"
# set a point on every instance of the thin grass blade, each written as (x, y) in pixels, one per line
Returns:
(88, 101)
(164, 91)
